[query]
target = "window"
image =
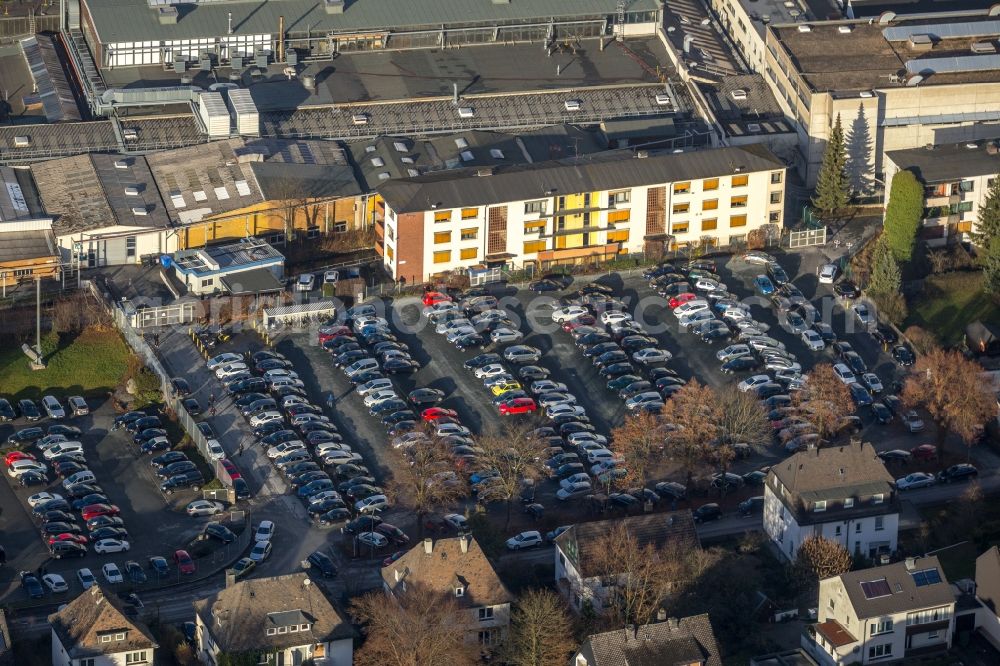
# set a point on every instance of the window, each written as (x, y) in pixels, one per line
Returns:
(819, 506)
(710, 184)
(964, 227)
(836, 530)
(282, 630)
(536, 227)
(208, 283)
(23, 272)
(106, 638)
(293, 629)
(617, 216)
(89, 661)
(303, 627)
(682, 188)
(442, 237)
(468, 253)
(271, 631)
(932, 634)
(488, 637)
(967, 186)
(738, 221)
(442, 257)
(709, 224)
(618, 236)
(831, 604)
(531, 247)
(883, 626)
(857, 527)
(130, 246)
(535, 207)
(679, 228)
(616, 198)
(774, 217)
(738, 202)
(775, 177)
(848, 502)
(390, 233)
(442, 216)
(879, 524)
(927, 616)
(878, 498)
(741, 181)
(710, 204)
(776, 197)
(136, 657)
(680, 208)
(276, 238)
(470, 234)
(880, 651)
(389, 252)
(312, 232)
(470, 213)
(120, 636)
(485, 613)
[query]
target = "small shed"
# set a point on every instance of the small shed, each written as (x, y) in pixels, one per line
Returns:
(983, 338)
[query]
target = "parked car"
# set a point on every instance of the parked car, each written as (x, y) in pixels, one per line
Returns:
(524, 540)
(958, 472)
(915, 480)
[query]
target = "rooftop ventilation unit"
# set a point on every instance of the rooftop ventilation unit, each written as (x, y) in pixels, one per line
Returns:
(131, 191)
(334, 6)
(805, 28)
(121, 164)
(921, 42)
(753, 127)
(984, 47)
(844, 30)
(739, 93)
(167, 15)
(140, 211)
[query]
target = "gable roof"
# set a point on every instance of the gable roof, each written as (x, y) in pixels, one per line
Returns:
(684, 641)
(239, 616)
(93, 614)
(815, 472)
(578, 543)
(900, 591)
(445, 565)
(459, 188)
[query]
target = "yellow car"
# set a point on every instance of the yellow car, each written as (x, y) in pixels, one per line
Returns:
(500, 389)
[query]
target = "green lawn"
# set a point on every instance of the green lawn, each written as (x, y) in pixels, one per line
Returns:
(91, 364)
(949, 303)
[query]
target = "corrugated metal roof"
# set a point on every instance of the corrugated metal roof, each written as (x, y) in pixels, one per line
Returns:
(963, 30)
(592, 173)
(954, 64)
(21, 245)
(131, 20)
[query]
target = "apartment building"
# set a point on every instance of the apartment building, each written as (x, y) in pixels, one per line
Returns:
(956, 179)
(889, 614)
(841, 493)
(577, 210)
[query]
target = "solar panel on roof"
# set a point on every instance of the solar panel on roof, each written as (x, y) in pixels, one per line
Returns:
(875, 588)
(926, 577)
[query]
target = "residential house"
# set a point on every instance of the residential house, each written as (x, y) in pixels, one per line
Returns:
(457, 567)
(688, 640)
(96, 630)
(576, 210)
(888, 614)
(577, 552)
(956, 179)
(842, 493)
(988, 594)
(281, 620)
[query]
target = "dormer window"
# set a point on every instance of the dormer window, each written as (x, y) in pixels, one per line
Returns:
(848, 502)
(819, 507)
(459, 591)
(878, 498)
(303, 627)
(271, 631)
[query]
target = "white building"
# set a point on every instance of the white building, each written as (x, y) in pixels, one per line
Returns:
(889, 614)
(94, 630)
(249, 266)
(283, 619)
(578, 210)
(841, 493)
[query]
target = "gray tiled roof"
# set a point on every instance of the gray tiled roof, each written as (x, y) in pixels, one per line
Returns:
(590, 173)
(93, 614)
(904, 594)
(832, 468)
(688, 640)
(947, 163)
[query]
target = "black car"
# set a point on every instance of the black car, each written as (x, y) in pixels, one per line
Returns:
(97, 522)
(903, 355)
(859, 394)
(65, 469)
(670, 490)
(633, 343)
(620, 382)
(350, 470)
(323, 563)
(51, 529)
(81, 489)
(365, 377)
(575, 426)
(855, 363)
(751, 506)
(158, 444)
(272, 364)
(393, 418)
(322, 436)
(6, 411)
(248, 385)
(248, 399)
(347, 358)
(168, 458)
(895, 455)
(635, 388)
(268, 428)
(388, 406)
(180, 386)
(316, 426)
(846, 289)
(590, 339)
(93, 498)
(617, 369)
(241, 489)
(316, 509)
(68, 431)
(32, 479)
(148, 434)
(29, 410)
(335, 517)
(279, 437)
(881, 413)
(474, 341)
(717, 335)
(885, 336)
(26, 436)
(400, 366)
(220, 532)
(143, 423)
(135, 572)
(364, 523)
(706, 513)
(56, 504)
(623, 500)
(123, 420)
(595, 351)
(192, 406)
(344, 486)
(740, 364)
(192, 479)
(178, 467)
(564, 419)
(543, 285)
(206, 430)
(425, 397)
(777, 274)
(108, 532)
(32, 586)
(770, 389)
(60, 549)
(957, 473)
(57, 516)
(302, 467)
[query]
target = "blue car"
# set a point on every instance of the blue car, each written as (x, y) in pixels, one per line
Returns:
(317, 486)
(482, 475)
(860, 395)
(764, 285)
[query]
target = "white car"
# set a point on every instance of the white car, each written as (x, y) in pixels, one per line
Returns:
(61, 448)
(644, 398)
(55, 583)
(564, 409)
(452, 324)
(568, 313)
(204, 508)
(449, 429)
(215, 450)
(578, 438)
(576, 490)
(597, 455)
(111, 546)
(650, 355)
(280, 373)
(264, 531)
(306, 282)
(77, 405)
(754, 381)
(844, 373)
(505, 335)
(409, 439)
(459, 332)
(732, 351)
(223, 359)
(691, 306)
(112, 573)
(432, 311)
(362, 365)
(491, 370)
(570, 481)
(86, 578)
(374, 385)
(53, 408)
(230, 369)
(813, 340)
(547, 386)
(864, 314)
(915, 480)
(373, 539)
(266, 417)
(372, 504)
(328, 448)
(606, 465)
(382, 395)
(757, 257)
(293, 399)
(872, 381)
(19, 467)
(692, 319)
(260, 551)
(286, 447)
(708, 284)
(340, 457)
(331, 277)
(827, 273)
(38, 498)
(614, 317)
(527, 539)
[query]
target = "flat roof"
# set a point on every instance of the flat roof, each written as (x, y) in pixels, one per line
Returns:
(867, 59)
(253, 281)
(709, 48)
(19, 245)
(948, 162)
(135, 20)
(18, 198)
(225, 258)
(48, 141)
(869, 8)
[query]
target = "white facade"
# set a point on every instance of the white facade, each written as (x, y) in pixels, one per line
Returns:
(137, 657)
(130, 54)
(115, 245)
(868, 535)
(333, 653)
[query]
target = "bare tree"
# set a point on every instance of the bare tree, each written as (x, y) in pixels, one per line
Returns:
(425, 479)
(953, 391)
(820, 558)
(922, 340)
(742, 419)
(692, 422)
(293, 200)
(638, 440)
(541, 632)
(416, 628)
(825, 399)
(512, 450)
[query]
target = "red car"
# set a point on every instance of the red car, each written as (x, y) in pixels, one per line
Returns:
(14, 456)
(95, 510)
(332, 332)
(184, 562)
(582, 320)
(435, 413)
(230, 469)
(924, 452)
(518, 406)
(66, 536)
(435, 297)
(680, 299)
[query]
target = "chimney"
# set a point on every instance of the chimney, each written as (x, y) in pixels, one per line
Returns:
(428, 546)
(630, 631)
(661, 615)
(642, 154)
(673, 623)
(992, 148)
(230, 578)
(464, 541)
(911, 563)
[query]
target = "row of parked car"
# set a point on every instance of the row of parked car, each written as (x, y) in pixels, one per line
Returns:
(50, 408)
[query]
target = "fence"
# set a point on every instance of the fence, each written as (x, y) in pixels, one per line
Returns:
(807, 238)
(164, 315)
(295, 314)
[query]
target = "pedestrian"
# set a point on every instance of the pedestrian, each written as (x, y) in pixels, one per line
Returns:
(211, 410)
(330, 401)
(211, 398)
(240, 450)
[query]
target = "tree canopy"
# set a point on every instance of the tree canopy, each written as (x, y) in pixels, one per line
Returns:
(903, 214)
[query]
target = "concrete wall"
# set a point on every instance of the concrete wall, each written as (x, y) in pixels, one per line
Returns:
(107, 245)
